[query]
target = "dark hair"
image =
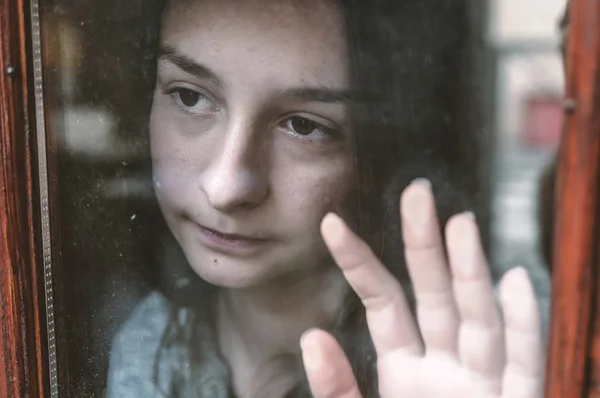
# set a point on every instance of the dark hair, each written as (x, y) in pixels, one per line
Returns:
(546, 209)
(414, 114)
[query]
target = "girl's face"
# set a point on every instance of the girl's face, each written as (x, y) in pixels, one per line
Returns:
(250, 142)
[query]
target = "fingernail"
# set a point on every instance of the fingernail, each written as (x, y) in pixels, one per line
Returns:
(517, 282)
(522, 276)
(422, 181)
(417, 205)
(303, 337)
(311, 356)
(470, 214)
(332, 227)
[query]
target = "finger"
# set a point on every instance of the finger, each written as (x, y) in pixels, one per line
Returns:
(388, 315)
(524, 372)
(481, 345)
(327, 368)
(426, 260)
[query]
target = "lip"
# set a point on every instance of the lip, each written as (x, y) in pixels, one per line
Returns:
(223, 242)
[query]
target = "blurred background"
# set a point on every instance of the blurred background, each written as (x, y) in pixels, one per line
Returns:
(526, 107)
(96, 120)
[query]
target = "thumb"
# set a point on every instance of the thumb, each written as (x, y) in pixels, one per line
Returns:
(327, 368)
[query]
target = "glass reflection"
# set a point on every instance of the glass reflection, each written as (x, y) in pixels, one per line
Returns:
(200, 143)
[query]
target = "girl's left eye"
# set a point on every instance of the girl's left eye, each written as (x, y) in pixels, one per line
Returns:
(307, 128)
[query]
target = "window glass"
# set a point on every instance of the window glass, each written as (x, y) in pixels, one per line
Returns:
(227, 175)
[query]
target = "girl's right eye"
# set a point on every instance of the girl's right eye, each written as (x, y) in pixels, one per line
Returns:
(191, 101)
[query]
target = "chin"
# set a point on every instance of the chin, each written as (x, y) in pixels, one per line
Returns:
(231, 273)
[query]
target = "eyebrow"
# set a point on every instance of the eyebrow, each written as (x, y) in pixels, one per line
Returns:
(317, 94)
(308, 94)
(188, 65)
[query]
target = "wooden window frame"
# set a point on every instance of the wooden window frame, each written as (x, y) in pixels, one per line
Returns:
(573, 368)
(22, 329)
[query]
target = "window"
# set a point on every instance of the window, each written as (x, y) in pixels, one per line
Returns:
(169, 167)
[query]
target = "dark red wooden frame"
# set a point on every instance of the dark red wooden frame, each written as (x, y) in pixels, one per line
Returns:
(573, 365)
(22, 336)
(574, 354)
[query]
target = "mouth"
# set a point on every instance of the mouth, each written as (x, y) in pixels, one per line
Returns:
(226, 242)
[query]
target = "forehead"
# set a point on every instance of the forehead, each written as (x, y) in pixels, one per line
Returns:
(305, 38)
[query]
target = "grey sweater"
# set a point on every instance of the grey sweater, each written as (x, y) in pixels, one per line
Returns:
(134, 371)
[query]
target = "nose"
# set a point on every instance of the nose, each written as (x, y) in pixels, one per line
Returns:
(236, 178)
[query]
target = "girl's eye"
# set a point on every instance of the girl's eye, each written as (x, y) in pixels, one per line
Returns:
(191, 100)
(306, 127)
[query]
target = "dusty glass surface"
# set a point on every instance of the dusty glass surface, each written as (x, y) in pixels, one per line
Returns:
(196, 145)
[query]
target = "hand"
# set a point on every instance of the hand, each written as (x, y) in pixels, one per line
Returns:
(467, 350)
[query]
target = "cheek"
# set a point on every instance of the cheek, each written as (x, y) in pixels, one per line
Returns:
(178, 154)
(172, 162)
(313, 196)
(162, 146)
(175, 138)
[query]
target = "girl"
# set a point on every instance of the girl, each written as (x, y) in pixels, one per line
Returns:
(261, 132)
